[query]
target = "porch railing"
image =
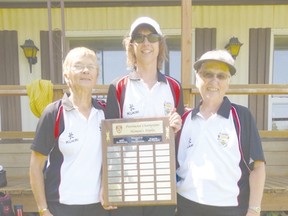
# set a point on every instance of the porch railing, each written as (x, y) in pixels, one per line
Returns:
(189, 94)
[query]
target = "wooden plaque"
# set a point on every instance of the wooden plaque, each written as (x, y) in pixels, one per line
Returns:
(138, 162)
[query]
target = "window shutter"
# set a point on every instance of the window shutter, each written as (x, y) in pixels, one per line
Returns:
(259, 52)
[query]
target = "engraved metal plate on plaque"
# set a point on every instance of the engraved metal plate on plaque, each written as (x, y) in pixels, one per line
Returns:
(138, 162)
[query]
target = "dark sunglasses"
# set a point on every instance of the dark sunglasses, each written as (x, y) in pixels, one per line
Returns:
(152, 38)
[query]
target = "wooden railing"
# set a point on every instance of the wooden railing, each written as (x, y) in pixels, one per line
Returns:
(188, 91)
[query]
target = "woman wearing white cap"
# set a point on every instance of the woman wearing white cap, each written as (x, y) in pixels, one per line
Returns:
(221, 162)
(145, 92)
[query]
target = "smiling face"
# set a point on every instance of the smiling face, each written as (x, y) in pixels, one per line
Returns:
(81, 71)
(212, 80)
(146, 52)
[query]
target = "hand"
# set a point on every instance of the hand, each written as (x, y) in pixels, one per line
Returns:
(252, 213)
(102, 202)
(175, 120)
(46, 213)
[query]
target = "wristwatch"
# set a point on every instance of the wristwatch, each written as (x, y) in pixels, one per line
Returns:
(255, 209)
(42, 211)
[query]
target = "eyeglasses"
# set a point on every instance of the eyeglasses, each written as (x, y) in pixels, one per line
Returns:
(211, 75)
(79, 67)
(152, 38)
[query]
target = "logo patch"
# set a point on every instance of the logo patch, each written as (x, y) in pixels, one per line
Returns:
(223, 139)
(168, 107)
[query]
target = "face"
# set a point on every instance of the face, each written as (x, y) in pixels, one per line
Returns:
(83, 72)
(213, 80)
(146, 46)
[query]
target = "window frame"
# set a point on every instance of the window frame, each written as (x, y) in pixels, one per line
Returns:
(274, 100)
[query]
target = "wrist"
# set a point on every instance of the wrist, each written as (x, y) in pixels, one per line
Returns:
(255, 209)
(42, 211)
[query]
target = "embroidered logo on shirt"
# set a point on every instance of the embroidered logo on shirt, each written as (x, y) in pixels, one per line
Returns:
(71, 138)
(223, 139)
(190, 144)
(132, 110)
(168, 107)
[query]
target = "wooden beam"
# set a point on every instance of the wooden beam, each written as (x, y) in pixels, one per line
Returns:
(247, 89)
(274, 134)
(235, 89)
(20, 90)
(17, 134)
(186, 48)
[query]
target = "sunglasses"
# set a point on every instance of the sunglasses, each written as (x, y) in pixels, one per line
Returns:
(210, 75)
(152, 38)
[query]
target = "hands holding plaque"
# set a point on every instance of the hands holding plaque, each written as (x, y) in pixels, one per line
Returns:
(138, 162)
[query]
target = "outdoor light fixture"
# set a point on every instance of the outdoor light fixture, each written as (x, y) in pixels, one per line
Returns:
(30, 52)
(233, 47)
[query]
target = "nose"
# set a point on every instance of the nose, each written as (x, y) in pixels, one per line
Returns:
(85, 70)
(146, 40)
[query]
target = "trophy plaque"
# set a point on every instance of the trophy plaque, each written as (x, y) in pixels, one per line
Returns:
(138, 162)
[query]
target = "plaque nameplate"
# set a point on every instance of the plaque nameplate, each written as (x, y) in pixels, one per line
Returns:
(138, 162)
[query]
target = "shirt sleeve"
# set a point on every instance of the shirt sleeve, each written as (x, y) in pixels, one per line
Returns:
(44, 139)
(112, 109)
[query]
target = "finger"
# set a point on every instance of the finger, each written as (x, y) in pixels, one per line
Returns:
(172, 111)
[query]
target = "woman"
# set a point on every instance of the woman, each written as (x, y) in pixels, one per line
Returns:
(67, 145)
(145, 92)
(221, 162)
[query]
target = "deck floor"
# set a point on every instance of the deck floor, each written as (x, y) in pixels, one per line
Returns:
(275, 193)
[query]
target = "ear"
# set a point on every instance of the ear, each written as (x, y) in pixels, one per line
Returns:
(66, 78)
(97, 75)
(196, 80)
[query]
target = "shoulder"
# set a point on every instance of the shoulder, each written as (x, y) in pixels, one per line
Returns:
(175, 85)
(120, 80)
(52, 108)
(187, 113)
(172, 80)
(98, 104)
(241, 109)
(244, 113)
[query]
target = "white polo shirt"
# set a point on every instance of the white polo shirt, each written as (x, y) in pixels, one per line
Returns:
(80, 145)
(209, 160)
(140, 101)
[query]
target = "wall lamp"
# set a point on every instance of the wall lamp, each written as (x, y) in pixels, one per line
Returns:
(233, 47)
(30, 52)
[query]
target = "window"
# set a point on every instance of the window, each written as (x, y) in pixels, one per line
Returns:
(279, 103)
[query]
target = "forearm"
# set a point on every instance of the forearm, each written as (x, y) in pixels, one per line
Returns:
(38, 188)
(257, 181)
(37, 180)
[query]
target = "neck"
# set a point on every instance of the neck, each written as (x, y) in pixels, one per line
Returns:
(82, 102)
(209, 109)
(148, 75)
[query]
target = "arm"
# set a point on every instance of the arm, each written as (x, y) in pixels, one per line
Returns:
(37, 163)
(256, 183)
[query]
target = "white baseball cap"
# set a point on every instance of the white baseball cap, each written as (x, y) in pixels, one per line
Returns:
(147, 21)
(217, 55)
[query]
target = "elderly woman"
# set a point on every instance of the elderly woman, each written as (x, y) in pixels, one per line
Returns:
(145, 92)
(221, 162)
(65, 167)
